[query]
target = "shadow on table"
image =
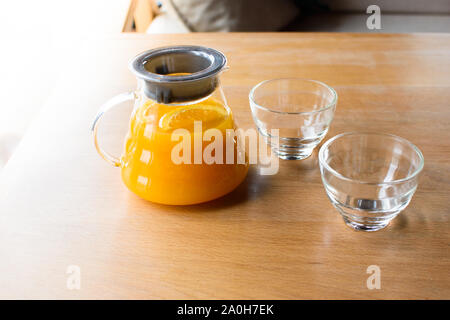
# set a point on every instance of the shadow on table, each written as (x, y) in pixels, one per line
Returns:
(254, 186)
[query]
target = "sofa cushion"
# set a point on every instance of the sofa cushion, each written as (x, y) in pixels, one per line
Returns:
(234, 15)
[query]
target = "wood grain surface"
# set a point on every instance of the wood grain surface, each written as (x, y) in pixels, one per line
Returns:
(275, 236)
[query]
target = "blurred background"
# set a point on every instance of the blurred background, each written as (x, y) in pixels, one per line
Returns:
(40, 37)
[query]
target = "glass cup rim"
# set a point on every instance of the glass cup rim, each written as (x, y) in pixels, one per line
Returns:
(324, 164)
(328, 106)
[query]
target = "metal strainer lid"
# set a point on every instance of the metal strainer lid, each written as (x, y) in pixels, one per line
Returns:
(201, 66)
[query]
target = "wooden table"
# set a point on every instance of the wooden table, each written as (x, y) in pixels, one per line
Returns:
(275, 236)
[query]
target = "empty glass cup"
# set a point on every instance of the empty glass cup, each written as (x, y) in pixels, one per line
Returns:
(369, 177)
(300, 109)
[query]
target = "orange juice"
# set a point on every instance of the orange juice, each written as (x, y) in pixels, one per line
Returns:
(148, 168)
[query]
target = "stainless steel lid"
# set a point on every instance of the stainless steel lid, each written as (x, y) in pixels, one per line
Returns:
(201, 64)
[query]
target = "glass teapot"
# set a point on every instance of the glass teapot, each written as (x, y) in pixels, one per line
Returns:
(181, 147)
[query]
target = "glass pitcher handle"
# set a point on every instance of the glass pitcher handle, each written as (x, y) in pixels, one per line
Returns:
(113, 102)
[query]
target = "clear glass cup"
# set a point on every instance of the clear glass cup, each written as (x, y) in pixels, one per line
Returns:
(300, 109)
(369, 177)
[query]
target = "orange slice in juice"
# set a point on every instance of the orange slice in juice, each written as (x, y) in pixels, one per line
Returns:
(208, 112)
